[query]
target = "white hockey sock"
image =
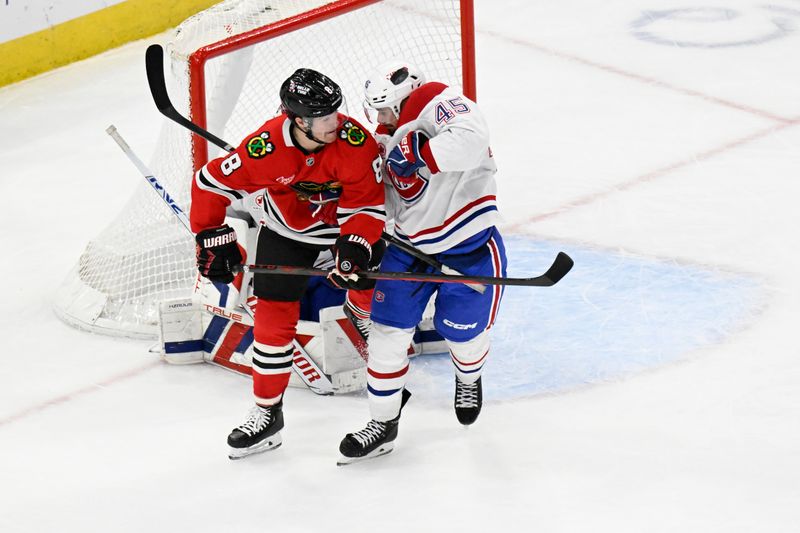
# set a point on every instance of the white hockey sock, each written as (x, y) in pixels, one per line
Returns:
(469, 357)
(387, 369)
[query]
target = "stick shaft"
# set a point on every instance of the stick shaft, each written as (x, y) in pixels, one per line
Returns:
(557, 270)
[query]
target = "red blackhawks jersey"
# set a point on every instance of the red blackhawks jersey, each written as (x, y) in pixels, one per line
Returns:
(294, 181)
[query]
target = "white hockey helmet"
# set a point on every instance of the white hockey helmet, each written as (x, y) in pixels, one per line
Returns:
(391, 83)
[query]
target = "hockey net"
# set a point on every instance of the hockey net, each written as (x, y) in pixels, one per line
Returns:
(224, 68)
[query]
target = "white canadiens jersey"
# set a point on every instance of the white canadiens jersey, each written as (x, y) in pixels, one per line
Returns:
(454, 197)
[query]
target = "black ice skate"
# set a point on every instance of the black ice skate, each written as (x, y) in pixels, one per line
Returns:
(373, 441)
(259, 433)
(468, 400)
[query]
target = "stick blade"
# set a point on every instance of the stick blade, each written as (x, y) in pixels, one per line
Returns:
(154, 64)
(560, 268)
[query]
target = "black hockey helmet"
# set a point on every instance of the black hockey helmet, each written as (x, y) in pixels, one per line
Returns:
(308, 93)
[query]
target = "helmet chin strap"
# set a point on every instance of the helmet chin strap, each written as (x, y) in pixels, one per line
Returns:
(307, 132)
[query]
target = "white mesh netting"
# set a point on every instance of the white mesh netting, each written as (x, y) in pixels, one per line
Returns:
(145, 256)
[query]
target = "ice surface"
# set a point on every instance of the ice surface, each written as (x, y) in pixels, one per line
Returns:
(656, 388)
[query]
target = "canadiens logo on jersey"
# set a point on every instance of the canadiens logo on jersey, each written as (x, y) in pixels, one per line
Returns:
(410, 189)
(354, 135)
(259, 146)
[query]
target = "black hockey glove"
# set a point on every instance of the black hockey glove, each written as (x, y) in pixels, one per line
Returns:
(352, 254)
(217, 253)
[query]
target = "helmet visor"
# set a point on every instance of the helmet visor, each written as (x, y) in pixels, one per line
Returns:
(370, 113)
(381, 115)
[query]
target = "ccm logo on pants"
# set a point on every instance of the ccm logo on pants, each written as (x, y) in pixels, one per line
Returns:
(459, 326)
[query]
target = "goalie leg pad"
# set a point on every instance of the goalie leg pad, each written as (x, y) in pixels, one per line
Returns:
(181, 331)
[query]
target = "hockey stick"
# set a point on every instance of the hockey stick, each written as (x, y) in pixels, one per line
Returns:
(560, 267)
(160, 190)
(310, 371)
(425, 258)
(154, 63)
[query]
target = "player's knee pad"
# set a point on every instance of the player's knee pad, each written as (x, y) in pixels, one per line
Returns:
(388, 347)
(471, 350)
(469, 357)
(276, 322)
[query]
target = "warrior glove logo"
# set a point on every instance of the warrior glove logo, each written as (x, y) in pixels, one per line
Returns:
(219, 240)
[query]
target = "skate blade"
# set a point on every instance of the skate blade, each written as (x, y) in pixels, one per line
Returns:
(382, 450)
(270, 443)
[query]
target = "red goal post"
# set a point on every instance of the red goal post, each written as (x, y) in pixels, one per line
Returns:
(224, 68)
(199, 58)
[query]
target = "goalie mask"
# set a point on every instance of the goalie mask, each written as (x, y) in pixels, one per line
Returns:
(389, 85)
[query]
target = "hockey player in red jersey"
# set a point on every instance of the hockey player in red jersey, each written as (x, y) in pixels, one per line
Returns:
(320, 173)
(441, 196)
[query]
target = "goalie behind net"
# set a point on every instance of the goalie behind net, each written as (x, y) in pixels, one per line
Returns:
(144, 256)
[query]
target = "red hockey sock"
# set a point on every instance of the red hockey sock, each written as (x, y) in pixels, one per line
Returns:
(274, 332)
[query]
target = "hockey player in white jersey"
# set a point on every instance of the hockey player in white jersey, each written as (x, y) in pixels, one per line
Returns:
(440, 191)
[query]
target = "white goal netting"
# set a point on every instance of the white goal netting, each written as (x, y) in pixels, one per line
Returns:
(144, 255)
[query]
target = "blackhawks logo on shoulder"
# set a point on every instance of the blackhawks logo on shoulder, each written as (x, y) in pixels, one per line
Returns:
(259, 146)
(354, 135)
